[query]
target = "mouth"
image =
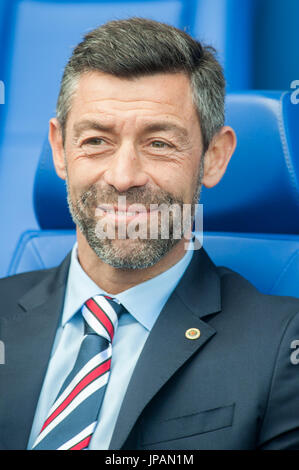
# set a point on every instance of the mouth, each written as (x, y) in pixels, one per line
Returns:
(123, 213)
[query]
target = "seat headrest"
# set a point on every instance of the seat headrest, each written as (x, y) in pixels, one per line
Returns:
(259, 191)
(49, 194)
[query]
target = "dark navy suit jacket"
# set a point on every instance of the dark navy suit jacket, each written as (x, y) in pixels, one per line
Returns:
(235, 387)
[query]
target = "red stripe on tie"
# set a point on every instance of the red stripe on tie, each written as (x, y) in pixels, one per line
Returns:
(101, 316)
(94, 374)
(81, 445)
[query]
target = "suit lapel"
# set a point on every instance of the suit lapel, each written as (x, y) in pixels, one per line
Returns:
(28, 337)
(167, 348)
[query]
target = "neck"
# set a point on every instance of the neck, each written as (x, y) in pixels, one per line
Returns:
(114, 280)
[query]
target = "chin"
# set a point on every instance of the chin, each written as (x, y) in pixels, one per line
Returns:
(132, 254)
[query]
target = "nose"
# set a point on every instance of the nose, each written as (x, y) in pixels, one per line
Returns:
(125, 169)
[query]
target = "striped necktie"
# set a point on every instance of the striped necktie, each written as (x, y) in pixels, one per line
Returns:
(73, 417)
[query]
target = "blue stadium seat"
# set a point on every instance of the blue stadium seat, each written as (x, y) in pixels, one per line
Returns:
(260, 191)
(251, 201)
(39, 37)
(251, 218)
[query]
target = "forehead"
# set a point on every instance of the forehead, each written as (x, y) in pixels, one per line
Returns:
(145, 97)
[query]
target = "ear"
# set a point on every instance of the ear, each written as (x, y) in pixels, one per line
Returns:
(56, 142)
(218, 156)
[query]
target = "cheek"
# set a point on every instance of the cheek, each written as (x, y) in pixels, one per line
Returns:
(81, 174)
(180, 180)
(77, 187)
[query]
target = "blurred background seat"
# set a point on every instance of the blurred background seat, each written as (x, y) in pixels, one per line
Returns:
(251, 218)
(37, 38)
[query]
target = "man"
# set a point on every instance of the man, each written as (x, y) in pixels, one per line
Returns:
(182, 354)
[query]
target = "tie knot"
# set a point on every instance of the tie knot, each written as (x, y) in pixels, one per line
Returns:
(101, 314)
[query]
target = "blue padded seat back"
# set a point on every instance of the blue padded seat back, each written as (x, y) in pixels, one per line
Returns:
(41, 249)
(260, 190)
(40, 36)
(271, 263)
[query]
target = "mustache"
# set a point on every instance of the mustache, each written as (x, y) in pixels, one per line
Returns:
(94, 196)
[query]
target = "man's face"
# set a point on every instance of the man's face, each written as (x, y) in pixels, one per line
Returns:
(139, 139)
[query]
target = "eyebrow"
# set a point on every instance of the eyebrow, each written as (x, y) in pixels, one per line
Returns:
(167, 126)
(88, 124)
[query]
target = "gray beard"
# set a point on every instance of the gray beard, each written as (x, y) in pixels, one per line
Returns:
(134, 254)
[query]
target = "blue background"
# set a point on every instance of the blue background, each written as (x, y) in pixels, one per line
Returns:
(257, 43)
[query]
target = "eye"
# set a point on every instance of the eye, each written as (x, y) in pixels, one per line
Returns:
(94, 141)
(158, 144)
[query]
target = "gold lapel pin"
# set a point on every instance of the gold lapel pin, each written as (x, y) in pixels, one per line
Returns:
(192, 333)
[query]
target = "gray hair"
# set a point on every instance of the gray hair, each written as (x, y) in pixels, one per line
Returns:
(137, 47)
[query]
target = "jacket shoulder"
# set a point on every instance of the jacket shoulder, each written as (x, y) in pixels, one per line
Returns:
(238, 290)
(14, 287)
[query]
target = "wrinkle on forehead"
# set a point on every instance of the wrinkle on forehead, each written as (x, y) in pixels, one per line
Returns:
(104, 105)
(142, 102)
(158, 89)
(166, 96)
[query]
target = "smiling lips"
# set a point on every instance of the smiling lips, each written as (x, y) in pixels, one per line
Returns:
(123, 213)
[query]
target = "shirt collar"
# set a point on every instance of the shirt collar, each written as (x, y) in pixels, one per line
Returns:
(143, 301)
